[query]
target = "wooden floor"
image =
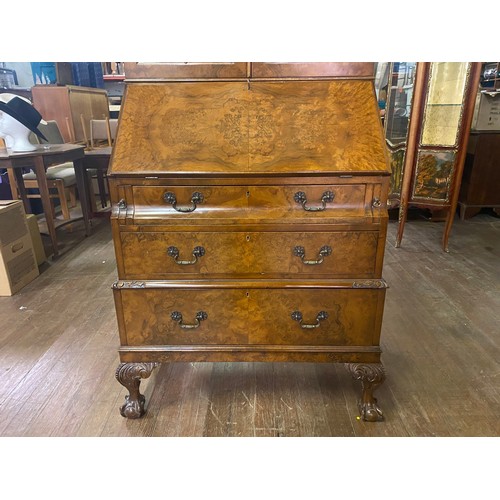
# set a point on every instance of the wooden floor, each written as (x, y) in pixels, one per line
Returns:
(440, 337)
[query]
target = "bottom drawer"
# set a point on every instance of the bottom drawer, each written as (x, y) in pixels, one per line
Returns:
(163, 313)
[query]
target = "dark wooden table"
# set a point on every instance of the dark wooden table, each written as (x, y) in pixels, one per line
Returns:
(97, 158)
(39, 160)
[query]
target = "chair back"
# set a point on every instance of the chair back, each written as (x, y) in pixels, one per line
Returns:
(103, 131)
(50, 129)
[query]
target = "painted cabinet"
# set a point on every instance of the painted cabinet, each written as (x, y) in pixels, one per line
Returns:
(427, 124)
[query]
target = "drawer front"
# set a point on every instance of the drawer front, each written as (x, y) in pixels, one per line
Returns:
(311, 201)
(166, 255)
(147, 316)
(291, 317)
(308, 203)
(179, 203)
(257, 316)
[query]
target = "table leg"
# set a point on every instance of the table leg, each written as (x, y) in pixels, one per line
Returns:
(41, 179)
(102, 188)
(16, 179)
(12, 183)
(83, 192)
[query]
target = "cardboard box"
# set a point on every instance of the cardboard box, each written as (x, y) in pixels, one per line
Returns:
(13, 223)
(36, 239)
(487, 111)
(18, 265)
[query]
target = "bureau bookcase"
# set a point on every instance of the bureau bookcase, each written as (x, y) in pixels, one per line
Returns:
(249, 219)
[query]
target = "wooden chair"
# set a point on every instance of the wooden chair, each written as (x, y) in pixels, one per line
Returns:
(61, 179)
(102, 134)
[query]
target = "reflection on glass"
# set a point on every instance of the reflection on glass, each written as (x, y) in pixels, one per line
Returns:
(381, 76)
(443, 106)
(399, 98)
(489, 74)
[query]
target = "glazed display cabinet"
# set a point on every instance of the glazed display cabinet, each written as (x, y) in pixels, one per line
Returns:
(400, 83)
(427, 149)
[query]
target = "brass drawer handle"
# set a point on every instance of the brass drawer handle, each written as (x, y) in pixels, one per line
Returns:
(297, 316)
(196, 199)
(300, 197)
(174, 253)
(200, 316)
(324, 251)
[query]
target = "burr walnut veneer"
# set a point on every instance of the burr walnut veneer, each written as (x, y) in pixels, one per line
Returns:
(249, 221)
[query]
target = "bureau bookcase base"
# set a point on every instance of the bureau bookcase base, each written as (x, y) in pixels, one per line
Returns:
(249, 220)
(371, 376)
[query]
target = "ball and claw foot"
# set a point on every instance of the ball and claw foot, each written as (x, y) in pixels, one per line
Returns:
(370, 412)
(371, 376)
(133, 408)
(130, 375)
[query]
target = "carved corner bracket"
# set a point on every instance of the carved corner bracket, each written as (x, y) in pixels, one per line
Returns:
(118, 285)
(370, 284)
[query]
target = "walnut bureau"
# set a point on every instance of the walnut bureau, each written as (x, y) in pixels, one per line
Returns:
(249, 220)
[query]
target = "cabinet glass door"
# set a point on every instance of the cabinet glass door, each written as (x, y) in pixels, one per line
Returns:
(399, 98)
(443, 106)
(400, 82)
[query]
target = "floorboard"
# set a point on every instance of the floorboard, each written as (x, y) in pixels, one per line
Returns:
(440, 340)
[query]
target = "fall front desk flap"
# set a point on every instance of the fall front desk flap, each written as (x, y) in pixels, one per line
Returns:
(250, 127)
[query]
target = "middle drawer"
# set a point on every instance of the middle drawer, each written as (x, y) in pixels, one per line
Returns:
(166, 255)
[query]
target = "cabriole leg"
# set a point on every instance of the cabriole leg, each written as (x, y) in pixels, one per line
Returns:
(130, 375)
(371, 375)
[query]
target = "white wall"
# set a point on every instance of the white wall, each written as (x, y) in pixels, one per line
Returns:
(23, 71)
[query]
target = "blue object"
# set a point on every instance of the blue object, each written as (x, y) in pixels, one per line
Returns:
(81, 75)
(44, 72)
(95, 74)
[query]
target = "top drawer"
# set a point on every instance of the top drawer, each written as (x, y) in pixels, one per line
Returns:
(174, 204)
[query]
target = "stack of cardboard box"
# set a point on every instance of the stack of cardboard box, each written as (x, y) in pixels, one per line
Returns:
(18, 264)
